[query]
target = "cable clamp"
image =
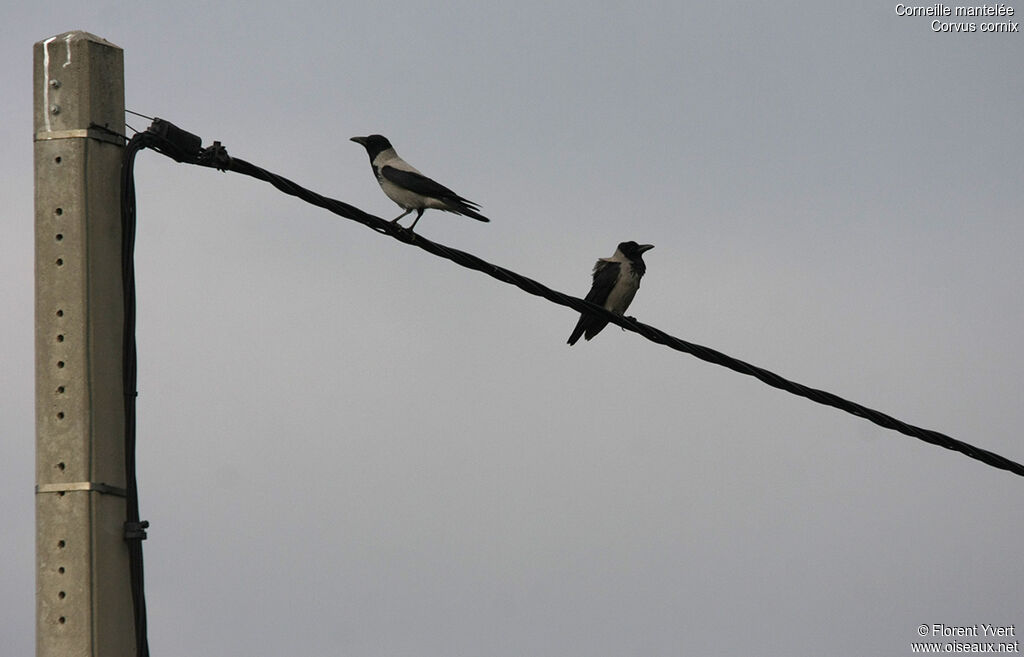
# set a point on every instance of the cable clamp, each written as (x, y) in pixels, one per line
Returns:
(215, 156)
(135, 531)
(174, 142)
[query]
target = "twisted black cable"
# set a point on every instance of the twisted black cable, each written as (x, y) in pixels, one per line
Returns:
(216, 156)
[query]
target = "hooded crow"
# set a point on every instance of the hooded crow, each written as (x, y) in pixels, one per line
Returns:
(616, 280)
(409, 188)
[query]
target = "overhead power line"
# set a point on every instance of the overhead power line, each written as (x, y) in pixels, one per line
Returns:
(185, 147)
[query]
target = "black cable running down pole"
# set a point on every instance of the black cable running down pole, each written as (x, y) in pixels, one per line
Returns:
(134, 529)
(182, 146)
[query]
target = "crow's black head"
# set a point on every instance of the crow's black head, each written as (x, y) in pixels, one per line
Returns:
(373, 144)
(634, 251)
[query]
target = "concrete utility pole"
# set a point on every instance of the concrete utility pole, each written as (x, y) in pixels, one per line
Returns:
(83, 594)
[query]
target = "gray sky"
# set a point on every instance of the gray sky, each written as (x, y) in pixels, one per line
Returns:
(349, 447)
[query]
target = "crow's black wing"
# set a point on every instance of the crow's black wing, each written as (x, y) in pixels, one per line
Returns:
(606, 273)
(420, 184)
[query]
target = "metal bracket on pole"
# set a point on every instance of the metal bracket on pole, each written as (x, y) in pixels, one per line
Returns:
(88, 133)
(105, 489)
